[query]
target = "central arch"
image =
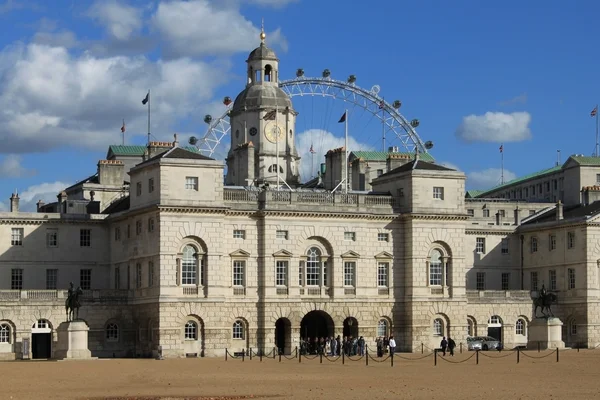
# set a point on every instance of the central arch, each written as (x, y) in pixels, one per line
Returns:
(316, 324)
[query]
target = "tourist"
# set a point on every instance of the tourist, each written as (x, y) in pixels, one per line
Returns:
(361, 346)
(451, 346)
(444, 345)
(392, 344)
(379, 343)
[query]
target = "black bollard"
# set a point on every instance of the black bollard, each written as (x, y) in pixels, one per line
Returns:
(460, 347)
(557, 354)
(392, 356)
(422, 348)
(274, 353)
(280, 357)
(367, 354)
(243, 355)
(538, 347)
(225, 354)
(434, 357)
(321, 357)
(260, 355)
(250, 352)
(343, 357)
(299, 357)
(477, 357)
(518, 355)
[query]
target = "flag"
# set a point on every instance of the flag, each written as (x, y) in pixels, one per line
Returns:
(381, 105)
(312, 151)
(343, 119)
(146, 99)
(501, 148)
(594, 112)
(270, 115)
(123, 127)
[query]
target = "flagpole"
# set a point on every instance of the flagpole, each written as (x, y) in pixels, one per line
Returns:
(597, 130)
(502, 163)
(148, 116)
(346, 148)
(123, 132)
(277, 146)
(383, 123)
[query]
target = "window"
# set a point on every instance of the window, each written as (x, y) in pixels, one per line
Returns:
(382, 274)
(51, 279)
(573, 327)
(85, 237)
(571, 278)
(16, 236)
(238, 330)
(150, 185)
(505, 280)
(117, 278)
(520, 327)
(597, 178)
(438, 327)
(531, 212)
(438, 193)
(383, 237)
(435, 268)
(16, 279)
(281, 235)
(502, 213)
(300, 269)
(379, 172)
(4, 333)
(382, 328)
(480, 245)
(85, 279)
(239, 234)
(281, 273)
(471, 212)
(239, 267)
(350, 236)
(486, 213)
(52, 237)
(552, 279)
(190, 331)
(470, 327)
(534, 280)
(313, 267)
(349, 273)
(534, 244)
(150, 224)
(570, 240)
(112, 332)
(117, 234)
(150, 273)
(481, 281)
(138, 227)
(138, 275)
(138, 189)
(504, 246)
(188, 266)
(191, 183)
(552, 242)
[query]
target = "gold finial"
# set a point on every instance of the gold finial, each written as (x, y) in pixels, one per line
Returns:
(263, 36)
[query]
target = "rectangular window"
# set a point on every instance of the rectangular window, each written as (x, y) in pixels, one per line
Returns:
(350, 236)
(138, 189)
(382, 274)
(51, 279)
(188, 271)
(85, 279)
(138, 275)
(150, 273)
(16, 279)
(438, 193)
(281, 235)
(239, 268)
(150, 185)
(52, 237)
(117, 234)
(117, 278)
(435, 273)
(300, 272)
(504, 248)
(486, 213)
(313, 273)
(552, 279)
(571, 278)
(534, 244)
(138, 227)
(85, 238)
(597, 178)
(16, 236)
(502, 213)
(379, 172)
(505, 281)
(349, 273)
(471, 212)
(534, 280)
(150, 224)
(383, 237)
(552, 242)
(191, 183)
(281, 273)
(239, 234)
(481, 281)
(570, 240)
(480, 245)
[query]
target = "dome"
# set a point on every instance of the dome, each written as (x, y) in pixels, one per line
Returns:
(259, 96)
(262, 52)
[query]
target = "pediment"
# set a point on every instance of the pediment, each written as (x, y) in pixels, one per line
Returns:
(350, 254)
(239, 253)
(282, 253)
(384, 254)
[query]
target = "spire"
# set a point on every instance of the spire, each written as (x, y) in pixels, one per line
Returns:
(263, 36)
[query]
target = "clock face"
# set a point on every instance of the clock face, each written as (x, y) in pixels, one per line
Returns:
(273, 133)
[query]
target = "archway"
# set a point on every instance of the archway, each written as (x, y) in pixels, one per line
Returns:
(283, 335)
(316, 324)
(350, 327)
(41, 340)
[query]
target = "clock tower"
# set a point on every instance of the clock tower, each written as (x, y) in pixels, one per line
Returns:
(262, 126)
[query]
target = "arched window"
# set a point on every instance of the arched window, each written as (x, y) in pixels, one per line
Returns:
(238, 330)
(4, 333)
(188, 266)
(435, 268)
(573, 327)
(268, 73)
(273, 168)
(313, 267)
(191, 331)
(112, 332)
(520, 327)
(470, 327)
(382, 328)
(438, 327)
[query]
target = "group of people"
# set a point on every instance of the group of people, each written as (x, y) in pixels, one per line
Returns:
(447, 344)
(348, 345)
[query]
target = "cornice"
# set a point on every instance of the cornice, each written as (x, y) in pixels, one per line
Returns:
(28, 221)
(320, 214)
(488, 232)
(445, 217)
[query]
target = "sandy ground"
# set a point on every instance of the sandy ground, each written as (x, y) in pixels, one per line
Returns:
(575, 376)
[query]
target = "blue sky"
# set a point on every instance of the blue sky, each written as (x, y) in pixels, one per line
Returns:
(475, 74)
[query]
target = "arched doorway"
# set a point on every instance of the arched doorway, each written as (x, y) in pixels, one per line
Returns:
(316, 324)
(283, 333)
(495, 327)
(41, 339)
(350, 327)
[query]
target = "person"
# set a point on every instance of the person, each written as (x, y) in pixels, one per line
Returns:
(444, 345)
(70, 291)
(451, 346)
(392, 344)
(379, 342)
(543, 292)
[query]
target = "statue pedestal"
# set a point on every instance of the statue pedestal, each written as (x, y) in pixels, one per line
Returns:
(545, 333)
(73, 341)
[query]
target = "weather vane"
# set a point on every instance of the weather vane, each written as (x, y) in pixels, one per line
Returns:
(262, 30)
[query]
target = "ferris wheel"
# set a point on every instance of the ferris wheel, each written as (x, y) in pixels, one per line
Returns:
(398, 128)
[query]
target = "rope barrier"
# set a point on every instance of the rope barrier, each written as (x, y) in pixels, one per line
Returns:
(411, 358)
(457, 362)
(510, 353)
(380, 360)
(355, 359)
(544, 356)
(332, 358)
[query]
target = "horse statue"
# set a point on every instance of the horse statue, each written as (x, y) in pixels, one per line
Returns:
(544, 301)
(72, 303)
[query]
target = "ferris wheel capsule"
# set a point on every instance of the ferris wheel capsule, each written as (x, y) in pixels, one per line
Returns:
(352, 79)
(193, 140)
(397, 104)
(326, 73)
(414, 123)
(227, 100)
(299, 72)
(208, 118)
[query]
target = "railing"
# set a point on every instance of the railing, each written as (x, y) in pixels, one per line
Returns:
(61, 295)
(436, 291)
(239, 291)
(498, 294)
(379, 200)
(42, 294)
(383, 291)
(349, 291)
(282, 290)
(319, 198)
(10, 294)
(190, 290)
(239, 195)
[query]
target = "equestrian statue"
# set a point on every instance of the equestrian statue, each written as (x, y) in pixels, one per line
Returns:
(544, 301)
(72, 303)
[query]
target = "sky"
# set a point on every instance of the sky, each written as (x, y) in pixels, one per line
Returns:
(477, 75)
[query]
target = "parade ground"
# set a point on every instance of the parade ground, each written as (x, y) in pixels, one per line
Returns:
(573, 377)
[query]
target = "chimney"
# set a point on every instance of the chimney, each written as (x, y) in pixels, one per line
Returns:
(155, 148)
(559, 210)
(175, 142)
(517, 216)
(40, 204)
(395, 160)
(334, 165)
(111, 172)
(14, 202)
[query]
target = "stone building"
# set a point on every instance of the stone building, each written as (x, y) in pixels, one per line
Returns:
(171, 257)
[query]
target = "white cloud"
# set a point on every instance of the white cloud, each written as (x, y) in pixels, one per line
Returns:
(488, 178)
(273, 3)
(496, 127)
(62, 38)
(120, 20)
(10, 167)
(201, 28)
(321, 141)
(520, 99)
(46, 192)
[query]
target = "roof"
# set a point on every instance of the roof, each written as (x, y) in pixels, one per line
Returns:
(473, 193)
(383, 155)
(569, 212)
(116, 206)
(537, 174)
(416, 164)
(89, 179)
(178, 153)
(262, 96)
(262, 52)
(584, 160)
(131, 150)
